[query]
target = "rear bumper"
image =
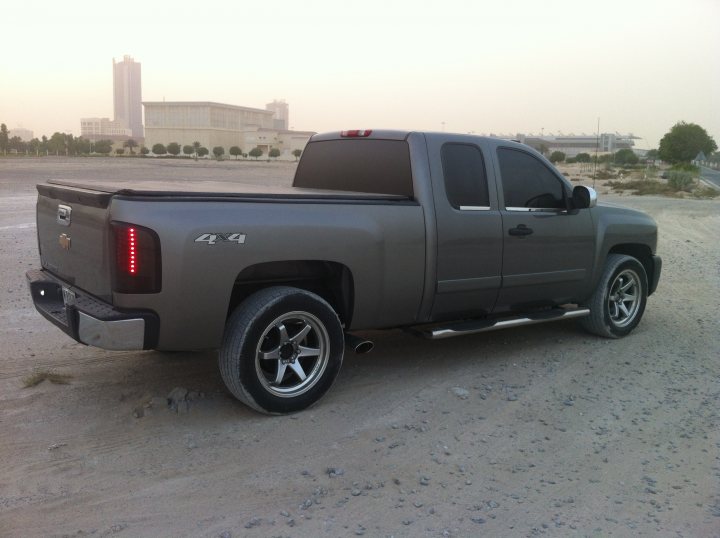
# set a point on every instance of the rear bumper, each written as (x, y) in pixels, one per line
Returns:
(657, 269)
(89, 320)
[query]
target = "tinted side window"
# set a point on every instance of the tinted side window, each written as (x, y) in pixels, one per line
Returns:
(527, 182)
(464, 171)
(377, 166)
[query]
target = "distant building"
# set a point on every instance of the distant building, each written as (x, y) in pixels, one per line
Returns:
(24, 134)
(218, 124)
(572, 144)
(702, 160)
(95, 129)
(281, 113)
(127, 100)
(284, 140)
(127, 95)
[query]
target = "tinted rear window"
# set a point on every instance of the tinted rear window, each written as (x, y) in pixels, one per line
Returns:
(376, 166)
(465, 181)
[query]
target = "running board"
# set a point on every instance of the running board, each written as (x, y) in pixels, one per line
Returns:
(484, 325)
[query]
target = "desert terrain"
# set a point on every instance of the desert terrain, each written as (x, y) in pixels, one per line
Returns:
(543, 430)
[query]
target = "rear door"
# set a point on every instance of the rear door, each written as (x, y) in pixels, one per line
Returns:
(469, 228)
(548, 249)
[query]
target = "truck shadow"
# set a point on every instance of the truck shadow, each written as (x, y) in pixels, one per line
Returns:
(400, 365)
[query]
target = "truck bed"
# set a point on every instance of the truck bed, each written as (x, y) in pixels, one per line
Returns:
(80, 253)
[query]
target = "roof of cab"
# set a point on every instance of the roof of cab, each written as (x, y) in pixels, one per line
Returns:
(377, 134)
(396, 134)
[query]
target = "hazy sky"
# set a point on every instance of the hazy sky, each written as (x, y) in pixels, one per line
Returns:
(502, 66)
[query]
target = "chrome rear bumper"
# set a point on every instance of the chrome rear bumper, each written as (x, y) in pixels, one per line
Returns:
(89, 320)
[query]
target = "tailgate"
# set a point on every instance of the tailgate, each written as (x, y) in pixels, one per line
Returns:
(73, 236)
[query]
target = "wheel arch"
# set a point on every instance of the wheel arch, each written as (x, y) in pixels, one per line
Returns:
(640, 252)
(606, 321)
(332, 281)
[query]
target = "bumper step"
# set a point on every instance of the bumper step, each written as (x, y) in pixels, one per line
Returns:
(89, 320)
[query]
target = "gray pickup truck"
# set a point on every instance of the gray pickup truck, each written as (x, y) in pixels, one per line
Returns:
(441, 234)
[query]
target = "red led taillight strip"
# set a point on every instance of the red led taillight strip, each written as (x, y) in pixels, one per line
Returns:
(132, 258)
(137, 266)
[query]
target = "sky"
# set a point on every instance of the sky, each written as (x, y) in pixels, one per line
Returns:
(514, 66)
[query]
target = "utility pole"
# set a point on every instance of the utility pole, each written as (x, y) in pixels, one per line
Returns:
(597, 145)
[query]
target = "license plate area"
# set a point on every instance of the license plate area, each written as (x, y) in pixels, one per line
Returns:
(69, 296)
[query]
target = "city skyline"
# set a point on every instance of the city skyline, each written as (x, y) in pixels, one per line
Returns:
(514, 68)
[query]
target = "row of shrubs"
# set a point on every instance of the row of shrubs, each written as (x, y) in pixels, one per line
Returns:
(624, 157)
(196, 150)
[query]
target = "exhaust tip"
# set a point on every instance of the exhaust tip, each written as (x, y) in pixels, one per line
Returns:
(359, 345)
(366, 346)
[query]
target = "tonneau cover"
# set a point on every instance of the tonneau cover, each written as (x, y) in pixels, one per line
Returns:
(210, 188)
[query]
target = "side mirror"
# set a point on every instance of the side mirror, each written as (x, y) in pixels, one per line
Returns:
(584, 197)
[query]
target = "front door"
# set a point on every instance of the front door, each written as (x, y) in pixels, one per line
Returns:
(548, 247)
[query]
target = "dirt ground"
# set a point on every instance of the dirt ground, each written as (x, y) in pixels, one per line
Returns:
(543, 430)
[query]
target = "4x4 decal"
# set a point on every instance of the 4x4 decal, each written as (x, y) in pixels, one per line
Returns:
(213, 238)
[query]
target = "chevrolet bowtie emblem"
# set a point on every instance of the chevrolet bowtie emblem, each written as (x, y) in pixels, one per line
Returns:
(64, 241)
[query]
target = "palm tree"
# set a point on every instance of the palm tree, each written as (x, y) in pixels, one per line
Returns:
(130, 144)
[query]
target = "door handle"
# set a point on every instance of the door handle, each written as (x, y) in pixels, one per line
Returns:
(521, 230)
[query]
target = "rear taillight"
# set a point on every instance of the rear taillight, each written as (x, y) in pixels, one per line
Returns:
(137, 263)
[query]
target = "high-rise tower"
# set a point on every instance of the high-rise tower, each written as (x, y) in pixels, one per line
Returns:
(281, 113)
(127, 95)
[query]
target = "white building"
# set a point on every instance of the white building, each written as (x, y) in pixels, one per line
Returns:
(95, 129)
(26, 135)
(573, 144)
(218, 124)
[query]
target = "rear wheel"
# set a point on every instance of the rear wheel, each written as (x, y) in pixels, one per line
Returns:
(618, 303)
(282, 350)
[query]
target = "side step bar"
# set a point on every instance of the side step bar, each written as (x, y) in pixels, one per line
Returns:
(484, 325)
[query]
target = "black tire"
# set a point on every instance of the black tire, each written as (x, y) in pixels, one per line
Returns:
(618, 303)
(271, 340)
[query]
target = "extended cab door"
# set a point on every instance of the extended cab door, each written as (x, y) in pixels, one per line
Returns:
(548, 248)
(469, 228)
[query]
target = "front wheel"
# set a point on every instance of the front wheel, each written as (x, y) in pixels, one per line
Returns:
(282, 350)
(618, 303)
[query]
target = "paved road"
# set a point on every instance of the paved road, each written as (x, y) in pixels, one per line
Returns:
(710, 175)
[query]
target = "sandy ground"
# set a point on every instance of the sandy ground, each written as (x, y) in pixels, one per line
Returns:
(543, 430)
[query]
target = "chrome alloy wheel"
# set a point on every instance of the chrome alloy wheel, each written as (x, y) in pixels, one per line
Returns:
(624, 298)
(292, 354)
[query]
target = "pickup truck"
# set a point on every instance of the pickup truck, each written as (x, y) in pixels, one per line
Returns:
(440, 234)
